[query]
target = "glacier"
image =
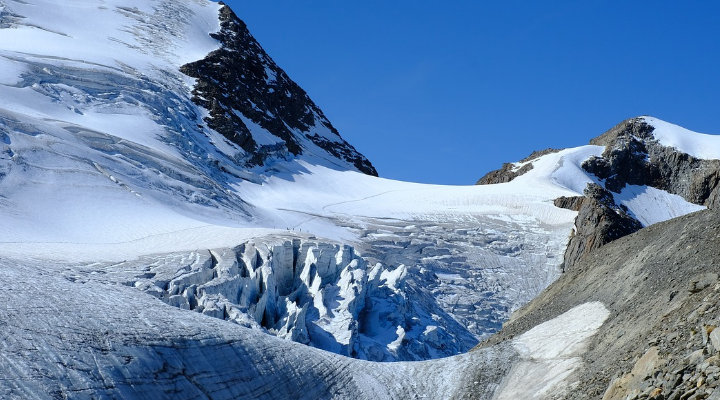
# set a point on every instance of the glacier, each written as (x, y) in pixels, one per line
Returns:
(144, 257)
(106, 158)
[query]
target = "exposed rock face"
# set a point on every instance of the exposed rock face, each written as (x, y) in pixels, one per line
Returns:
(634, 157)
(510, 171)
(636, 127)
(241, 86)
(599, 222)
(571, 203)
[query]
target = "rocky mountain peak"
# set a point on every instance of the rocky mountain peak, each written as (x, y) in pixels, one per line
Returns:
(634, 159)
(633, 156)
(634, 127)
(249, 96)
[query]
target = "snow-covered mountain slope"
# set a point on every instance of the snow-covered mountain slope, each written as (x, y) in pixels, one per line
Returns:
(100, 129)
(228, 193)
(106, 156)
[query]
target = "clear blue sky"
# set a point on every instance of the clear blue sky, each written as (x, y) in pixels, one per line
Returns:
(442, 92)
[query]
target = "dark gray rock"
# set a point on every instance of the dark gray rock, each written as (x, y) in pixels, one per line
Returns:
(571, 203)
(636, 127)
(599, 221)
(240, 79)
(634, 157)
(504, 174)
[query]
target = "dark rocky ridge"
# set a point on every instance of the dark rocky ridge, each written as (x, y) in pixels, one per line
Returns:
(600, 221)
(632, 156)
(662, 288)
(241, 79)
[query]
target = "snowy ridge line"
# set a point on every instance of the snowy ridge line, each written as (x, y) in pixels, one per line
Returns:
(699, 145)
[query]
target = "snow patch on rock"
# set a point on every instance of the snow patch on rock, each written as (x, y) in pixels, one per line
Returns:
(650, 205)
(550, 353)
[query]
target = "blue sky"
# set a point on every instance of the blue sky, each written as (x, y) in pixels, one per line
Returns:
(443, 92)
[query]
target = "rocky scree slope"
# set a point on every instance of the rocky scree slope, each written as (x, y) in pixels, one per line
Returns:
(662, 288)
(633, 157)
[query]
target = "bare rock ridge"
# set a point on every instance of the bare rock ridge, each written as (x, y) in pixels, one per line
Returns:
(662, 288)
(632, 156)
(600, 221)
(262, 94)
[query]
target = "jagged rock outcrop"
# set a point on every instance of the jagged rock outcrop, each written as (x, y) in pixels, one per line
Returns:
(634, 157)
(510, 171)
(241, 86)
(599, 222)
(571, 203)
(507, 173)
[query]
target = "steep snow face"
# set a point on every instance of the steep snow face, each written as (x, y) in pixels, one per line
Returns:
(101, 137)
(650, 205)
(698, 145)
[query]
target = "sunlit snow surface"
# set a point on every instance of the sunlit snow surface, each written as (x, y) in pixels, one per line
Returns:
(551, 352)
(104, 158)
(101, 159)
(698, 145)
(650, 205)
(140, 261)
